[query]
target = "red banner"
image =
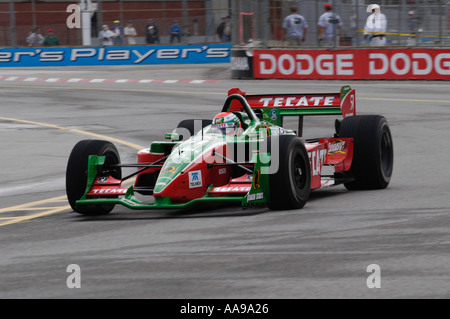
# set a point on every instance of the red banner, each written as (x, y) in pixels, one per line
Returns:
(402, 64)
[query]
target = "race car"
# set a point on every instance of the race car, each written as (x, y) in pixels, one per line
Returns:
(243, 156)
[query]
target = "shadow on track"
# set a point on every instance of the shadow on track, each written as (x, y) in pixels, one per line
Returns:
(122, 213)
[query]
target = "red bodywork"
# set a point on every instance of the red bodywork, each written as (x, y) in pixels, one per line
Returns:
(335, 152)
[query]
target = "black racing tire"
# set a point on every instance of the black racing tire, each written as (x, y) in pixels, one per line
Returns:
(76, 173)
(290, 185)
(373, 152)
(192, 125)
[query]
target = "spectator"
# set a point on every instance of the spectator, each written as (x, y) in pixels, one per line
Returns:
(296, 27)
(130, 33)
(155, 32)
(175, 31)
(35, 38)
(224, 30)
(413, 28)
(327, 23)
(150, 36)
(376, 25)
(118, 31)
(106, 36)
(50, 39)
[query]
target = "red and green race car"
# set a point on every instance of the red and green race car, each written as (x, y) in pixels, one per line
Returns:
(243, 156)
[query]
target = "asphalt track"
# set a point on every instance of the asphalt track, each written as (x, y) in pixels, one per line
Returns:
(321, 251)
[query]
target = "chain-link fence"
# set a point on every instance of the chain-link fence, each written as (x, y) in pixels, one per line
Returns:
(197, 19)
(409, 22)
(257, 21)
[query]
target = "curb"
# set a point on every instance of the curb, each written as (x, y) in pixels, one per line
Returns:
(83, 80)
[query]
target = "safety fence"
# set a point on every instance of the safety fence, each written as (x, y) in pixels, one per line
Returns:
(409, 22)
(255, 21)
(198, 20)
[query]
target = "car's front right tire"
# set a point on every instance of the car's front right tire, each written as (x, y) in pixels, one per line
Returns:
(290, 185)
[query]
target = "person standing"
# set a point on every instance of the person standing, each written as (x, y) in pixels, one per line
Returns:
(150, 36)
(130, 33)
(154, 30)
(35, 38)
(329, 23)
(376, 25)
(224, 30)
(295, 27)
(413, 29)
(106, 36)
(118, 31)
(50, 39)
(175, 31)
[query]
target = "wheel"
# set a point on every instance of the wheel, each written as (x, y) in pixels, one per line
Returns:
(76, 173)
(290, 185)
(193, 126)
(373, 153)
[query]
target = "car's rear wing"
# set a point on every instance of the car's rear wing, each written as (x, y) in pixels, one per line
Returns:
(276, 106)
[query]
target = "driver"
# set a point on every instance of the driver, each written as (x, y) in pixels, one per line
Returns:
(227, 123)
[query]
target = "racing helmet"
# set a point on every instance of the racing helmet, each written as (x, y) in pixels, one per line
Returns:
(372, 7)
(227, 123)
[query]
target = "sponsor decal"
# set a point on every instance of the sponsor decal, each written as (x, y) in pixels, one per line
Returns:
(273, 114)
(223, 125)
(252, 197)
(213, 53)
(317, 158)
(353, 64)
(102, 180)
(336, 147)
(169, 169)
(222, 171)
(195, 179)
(299, 101)
(109, 191)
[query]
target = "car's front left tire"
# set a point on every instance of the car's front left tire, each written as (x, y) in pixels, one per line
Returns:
(76, 173)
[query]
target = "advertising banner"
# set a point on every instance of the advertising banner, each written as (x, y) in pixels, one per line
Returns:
(352, 64)
(115, 55)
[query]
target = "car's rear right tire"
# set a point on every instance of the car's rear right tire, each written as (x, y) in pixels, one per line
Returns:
(373, 153)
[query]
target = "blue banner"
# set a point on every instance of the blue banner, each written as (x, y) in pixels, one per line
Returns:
(115, 55)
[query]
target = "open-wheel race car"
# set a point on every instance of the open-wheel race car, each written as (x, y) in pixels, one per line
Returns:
(243, 156)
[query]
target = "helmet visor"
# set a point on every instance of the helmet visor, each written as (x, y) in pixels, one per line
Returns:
(225, 128)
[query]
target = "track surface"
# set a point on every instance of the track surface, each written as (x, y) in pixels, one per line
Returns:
(321, 251)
